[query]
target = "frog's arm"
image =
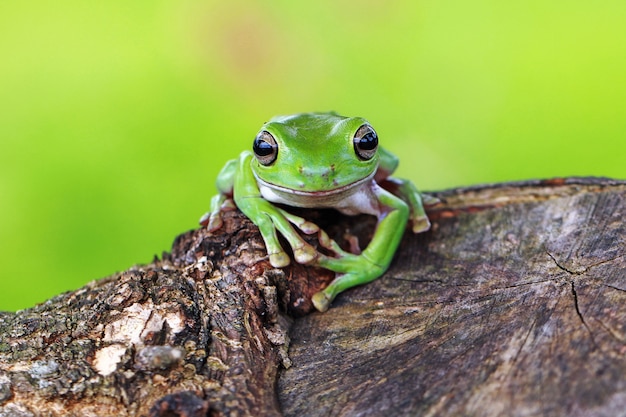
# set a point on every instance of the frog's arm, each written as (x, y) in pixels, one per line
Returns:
(375, 259)
(387, 164)
(270, 218)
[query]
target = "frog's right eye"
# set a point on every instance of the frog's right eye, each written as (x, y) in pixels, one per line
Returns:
(365, 142)
(265, 148)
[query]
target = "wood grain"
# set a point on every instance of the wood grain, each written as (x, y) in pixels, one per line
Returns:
(514, 304)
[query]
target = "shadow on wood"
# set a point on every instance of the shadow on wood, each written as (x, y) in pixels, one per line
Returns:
(513, 304)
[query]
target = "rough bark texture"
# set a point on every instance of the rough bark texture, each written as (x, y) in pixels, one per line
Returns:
(513, 304)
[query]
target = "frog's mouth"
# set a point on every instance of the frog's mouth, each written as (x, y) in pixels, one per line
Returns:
(344, 189)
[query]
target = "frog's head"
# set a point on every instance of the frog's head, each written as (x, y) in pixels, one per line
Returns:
(315, 152)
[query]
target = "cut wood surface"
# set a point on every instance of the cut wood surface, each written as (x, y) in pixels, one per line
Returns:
(513, 304)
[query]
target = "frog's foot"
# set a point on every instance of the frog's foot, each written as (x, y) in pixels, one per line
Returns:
(303, 253)
(279, 260)
(330, 244)
(352, 270)
(204, 220)
(212, 220)
(321, 301)
(272, 219)
(420, 223)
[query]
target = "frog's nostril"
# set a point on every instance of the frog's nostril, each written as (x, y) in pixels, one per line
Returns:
(320, 172)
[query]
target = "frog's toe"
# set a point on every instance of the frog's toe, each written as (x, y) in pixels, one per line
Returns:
(215, 224)
(228, 205)
(308, 227)
(279, 260)
(305, 254)
(212, 221)
(204, 220)
(321, 301)
(430, 200)
(420, 224)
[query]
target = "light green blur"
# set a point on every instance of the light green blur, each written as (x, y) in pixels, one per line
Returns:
(116, 116)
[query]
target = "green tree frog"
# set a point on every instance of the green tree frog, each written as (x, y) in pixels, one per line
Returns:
(320, 160)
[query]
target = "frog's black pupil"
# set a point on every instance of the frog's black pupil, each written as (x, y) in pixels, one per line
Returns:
(369, 141)
(262, 148)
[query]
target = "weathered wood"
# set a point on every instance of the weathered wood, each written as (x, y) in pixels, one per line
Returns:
(515, 304)
(195, 333)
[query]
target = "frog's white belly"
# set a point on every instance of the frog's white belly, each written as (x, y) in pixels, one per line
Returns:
(355, 198)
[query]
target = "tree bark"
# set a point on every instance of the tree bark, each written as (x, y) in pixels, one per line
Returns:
(513, 304)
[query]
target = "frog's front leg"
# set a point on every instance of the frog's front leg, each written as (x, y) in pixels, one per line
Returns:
(353, 270)
(269, 218)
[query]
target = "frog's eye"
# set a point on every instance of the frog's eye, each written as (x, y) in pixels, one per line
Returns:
(265, 148)
(365, 142)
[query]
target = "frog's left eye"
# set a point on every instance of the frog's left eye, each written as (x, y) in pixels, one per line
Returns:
(365, 142)
(265, 148)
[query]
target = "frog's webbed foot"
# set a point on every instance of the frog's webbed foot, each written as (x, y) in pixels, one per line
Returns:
(303, 253)
(212, 219)
(352, 270)
(278, 220)
(330, 244)
(362, 271)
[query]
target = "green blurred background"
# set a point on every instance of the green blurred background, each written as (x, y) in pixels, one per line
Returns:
(116, 116)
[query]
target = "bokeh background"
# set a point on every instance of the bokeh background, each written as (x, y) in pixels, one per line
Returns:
(116, 116)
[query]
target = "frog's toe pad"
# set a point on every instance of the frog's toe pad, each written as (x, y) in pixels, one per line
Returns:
(305, 254)
(228, 205)
(214, 222)
(420, 224)
(279, 260)
(308, 228)
(321, 301)
(204, 220)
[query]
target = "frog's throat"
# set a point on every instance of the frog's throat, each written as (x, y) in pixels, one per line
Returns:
(334, 198)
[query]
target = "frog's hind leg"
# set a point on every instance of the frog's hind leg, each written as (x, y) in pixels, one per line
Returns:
(353, 270)
(343, 281)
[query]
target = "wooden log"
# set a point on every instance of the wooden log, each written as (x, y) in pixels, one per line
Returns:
(514, 304)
